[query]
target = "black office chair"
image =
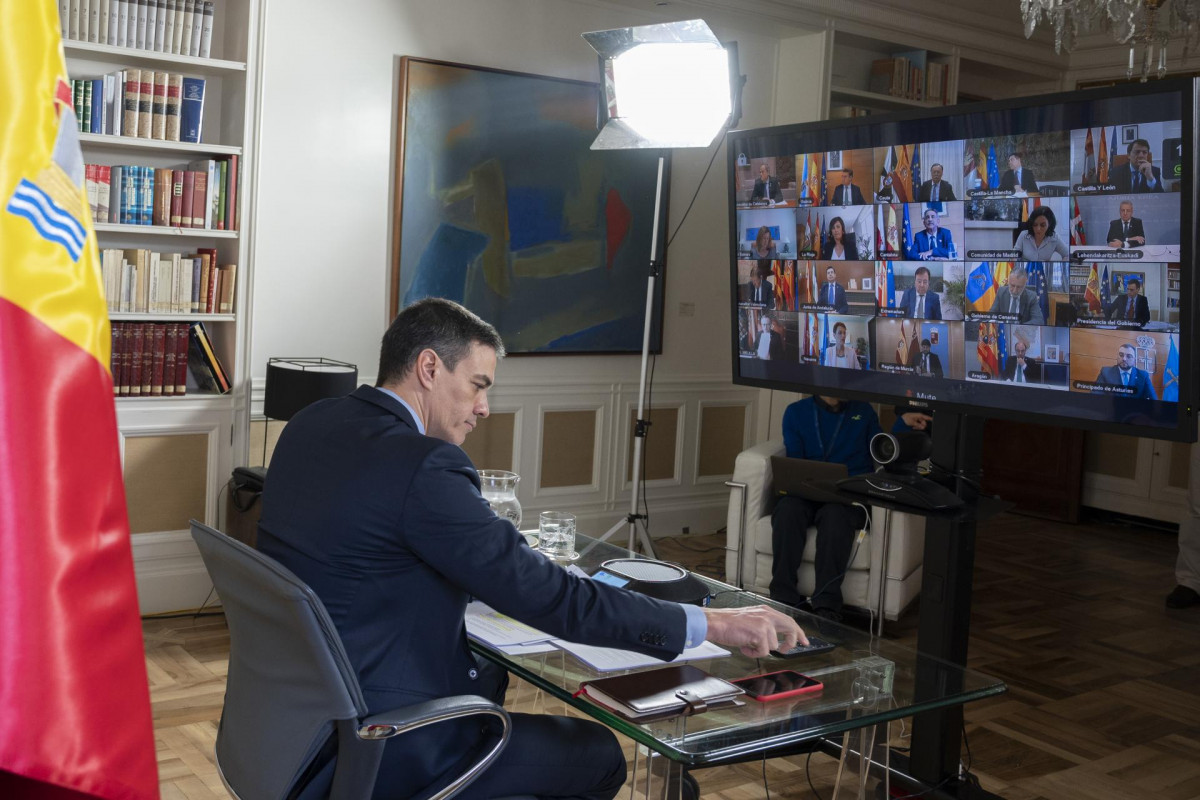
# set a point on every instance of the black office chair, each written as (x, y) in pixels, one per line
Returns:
(295, 724)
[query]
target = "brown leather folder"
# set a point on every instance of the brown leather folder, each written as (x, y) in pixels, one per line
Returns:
(661, 693)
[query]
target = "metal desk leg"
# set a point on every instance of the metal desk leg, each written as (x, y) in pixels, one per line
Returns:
(885, 556)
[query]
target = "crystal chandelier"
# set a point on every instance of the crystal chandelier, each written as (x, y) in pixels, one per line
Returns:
(1144, 24)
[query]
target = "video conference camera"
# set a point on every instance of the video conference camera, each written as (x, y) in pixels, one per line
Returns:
(900, 452)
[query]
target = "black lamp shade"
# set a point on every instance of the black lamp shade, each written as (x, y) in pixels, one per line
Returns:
(293, 383)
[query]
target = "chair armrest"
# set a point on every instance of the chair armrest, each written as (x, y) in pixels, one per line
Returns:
(749, 499)
(387, 724)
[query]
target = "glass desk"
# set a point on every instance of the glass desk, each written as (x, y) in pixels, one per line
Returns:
(867, 682)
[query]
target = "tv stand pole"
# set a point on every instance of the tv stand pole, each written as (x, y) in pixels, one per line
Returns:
(945, 611)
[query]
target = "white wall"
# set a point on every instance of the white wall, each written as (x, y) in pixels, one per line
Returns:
(323, 223)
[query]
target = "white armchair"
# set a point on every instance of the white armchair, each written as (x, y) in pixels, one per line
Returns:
(882, 592)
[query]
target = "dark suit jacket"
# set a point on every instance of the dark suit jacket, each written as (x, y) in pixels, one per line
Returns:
(1139, 382)
(945, 191)
(763, 192)
(935, 363)
(389, 529)
(1033, 370)
(746, 293)
(848, 244)
(1122, 178)
(839, 297)
(1141, 309)
(855, 198)
(1028, 182)
(941, 244)
(1135, 229)
(1029, 311)
(933, 303)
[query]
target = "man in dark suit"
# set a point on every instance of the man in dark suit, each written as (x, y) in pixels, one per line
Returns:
(373, 503)
(1018, 300)
(1132, 306)
(1139, 176)
(1017, 175)
(1020, 368)
(759, 290)
(917, 301)
(926, 363)
(934, 242)
(766, 187)
(935, 189)
(1124, 373)
(769, 345)
(847, 194)
(832, 293)
(1126, 231)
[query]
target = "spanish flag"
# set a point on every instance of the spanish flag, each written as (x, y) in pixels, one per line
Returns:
(1092, 293)
(74, 705)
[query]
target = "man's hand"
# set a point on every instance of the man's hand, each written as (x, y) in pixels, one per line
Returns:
(1137, 241)
(916, 420)
(756, 630)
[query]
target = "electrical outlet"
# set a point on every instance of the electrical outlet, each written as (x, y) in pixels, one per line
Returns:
(687, 309)
(686, 529)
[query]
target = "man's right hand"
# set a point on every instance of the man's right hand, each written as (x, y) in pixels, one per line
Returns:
(755, 630)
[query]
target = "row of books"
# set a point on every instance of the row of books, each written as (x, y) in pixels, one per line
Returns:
(911, 78)
(181, 27)
(153, 359)
(848, 112)
(143, 282)
(143, 103)
(201, 194)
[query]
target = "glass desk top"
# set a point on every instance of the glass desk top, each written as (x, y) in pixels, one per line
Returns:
(867, 680)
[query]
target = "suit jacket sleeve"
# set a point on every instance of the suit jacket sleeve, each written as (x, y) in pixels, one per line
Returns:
(1143, 310)
(450, 527)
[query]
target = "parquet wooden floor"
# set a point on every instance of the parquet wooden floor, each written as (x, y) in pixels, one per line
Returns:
(1104, 682)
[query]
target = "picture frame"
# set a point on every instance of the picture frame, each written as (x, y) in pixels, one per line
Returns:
(501, 205)
(868, 284)
(1128, 134)
(1050, 353)
(833, 160)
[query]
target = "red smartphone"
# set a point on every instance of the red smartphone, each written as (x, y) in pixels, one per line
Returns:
(777, 685)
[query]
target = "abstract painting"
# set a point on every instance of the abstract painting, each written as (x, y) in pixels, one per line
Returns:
(500, 205)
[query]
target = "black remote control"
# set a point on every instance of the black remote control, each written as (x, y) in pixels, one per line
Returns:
(815, 645)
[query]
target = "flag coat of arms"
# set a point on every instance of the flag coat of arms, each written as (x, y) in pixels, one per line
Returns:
(74, 705)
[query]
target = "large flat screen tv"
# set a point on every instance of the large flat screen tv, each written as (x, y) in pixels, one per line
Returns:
(1028, 259)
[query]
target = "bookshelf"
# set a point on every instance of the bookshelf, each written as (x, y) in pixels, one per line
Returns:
(870, 75)
(178, 451)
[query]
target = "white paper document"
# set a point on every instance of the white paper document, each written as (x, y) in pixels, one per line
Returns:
(607, 659)
(491, 627)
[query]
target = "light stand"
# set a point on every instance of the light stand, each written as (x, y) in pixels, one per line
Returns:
(665, 86)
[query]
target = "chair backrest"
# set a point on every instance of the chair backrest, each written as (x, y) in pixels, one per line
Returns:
(289, 679)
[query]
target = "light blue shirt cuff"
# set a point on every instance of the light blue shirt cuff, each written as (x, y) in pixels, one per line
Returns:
(697, 624)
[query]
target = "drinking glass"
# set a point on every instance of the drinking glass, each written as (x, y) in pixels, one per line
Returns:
(556, 535)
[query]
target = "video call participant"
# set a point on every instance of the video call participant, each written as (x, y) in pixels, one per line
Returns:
(839, 354)
(836, 431)
(926, 363)
(933, 242)
(766, 187)
(1017, 175)
(847, 194)
(838, 245)
(1133, 306)
(373, 503)
(758, 290)
(1126, 231)
(1140, 176)
(917, 301)
(1039, 242)
(1020, 368)
(935, 189)
(1124, 373)
(832, 293)
(770, 343)
(764, 245)
(1019, 300)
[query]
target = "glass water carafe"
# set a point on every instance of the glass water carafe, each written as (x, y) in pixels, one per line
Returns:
(499, 488)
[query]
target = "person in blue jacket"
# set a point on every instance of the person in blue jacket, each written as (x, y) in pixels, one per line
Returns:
(821, 428)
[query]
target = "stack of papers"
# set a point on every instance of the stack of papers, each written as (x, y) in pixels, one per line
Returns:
(607, 659)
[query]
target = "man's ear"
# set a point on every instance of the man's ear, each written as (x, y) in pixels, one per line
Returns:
(426, 367)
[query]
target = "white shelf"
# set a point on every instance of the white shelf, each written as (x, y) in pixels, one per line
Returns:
(159, 230)
(179, 402)
(133, 55)
(159, 145)
(135, 316)
(860, 97)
